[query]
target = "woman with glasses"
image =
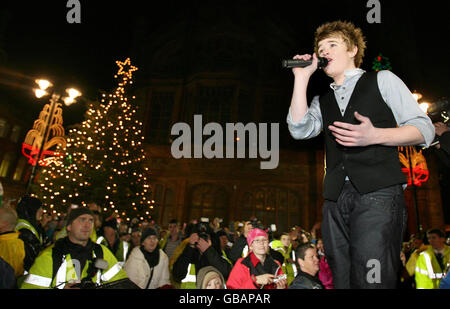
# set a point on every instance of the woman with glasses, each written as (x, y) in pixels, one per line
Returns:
(258, 270)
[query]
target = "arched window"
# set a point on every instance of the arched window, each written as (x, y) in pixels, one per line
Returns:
(213, 103)
(208, 200)
(164, 198)
(160, 119)
(6, 164)
(4, 127)
(271, 205)
(19, 169)
(15, 134)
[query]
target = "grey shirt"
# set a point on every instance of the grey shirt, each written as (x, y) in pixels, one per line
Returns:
(394, 92)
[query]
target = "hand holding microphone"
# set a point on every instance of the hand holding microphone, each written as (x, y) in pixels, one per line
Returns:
(307, 66)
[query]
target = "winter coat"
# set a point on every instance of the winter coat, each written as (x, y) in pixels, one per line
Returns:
(29, 229)
(237, 251)
(12, 250)
(210, 257)
(33, 243)
(138, 270)
(243, 274)
(428, 271)
(306, 281)
(42, 274)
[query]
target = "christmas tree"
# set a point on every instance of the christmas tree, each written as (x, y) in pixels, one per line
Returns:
(103, 161)
(381, 63)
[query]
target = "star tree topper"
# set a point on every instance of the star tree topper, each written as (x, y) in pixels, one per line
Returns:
(125, 68)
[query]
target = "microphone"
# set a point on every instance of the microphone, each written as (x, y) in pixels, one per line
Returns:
(298, 63)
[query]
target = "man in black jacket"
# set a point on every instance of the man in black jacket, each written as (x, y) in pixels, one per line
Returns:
(202, 250)
(308, 262)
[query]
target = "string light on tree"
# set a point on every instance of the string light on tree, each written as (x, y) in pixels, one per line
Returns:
(103, 159)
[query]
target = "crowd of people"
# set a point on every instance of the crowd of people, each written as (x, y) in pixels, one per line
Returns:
(87, 249)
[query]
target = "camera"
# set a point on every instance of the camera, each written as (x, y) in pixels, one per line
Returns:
(278, 278)
(85, 284)
(203, 229)
(257, 224)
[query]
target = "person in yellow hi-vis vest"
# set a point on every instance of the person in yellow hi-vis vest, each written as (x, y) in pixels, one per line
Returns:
(433, 262)
(111, 240)
(29, 211)
(74, 259)
(12, 249)
(284, 246)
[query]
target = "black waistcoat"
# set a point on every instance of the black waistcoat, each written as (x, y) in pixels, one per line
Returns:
(369, 168)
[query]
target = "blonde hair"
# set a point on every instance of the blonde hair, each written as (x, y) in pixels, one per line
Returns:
(351, 35)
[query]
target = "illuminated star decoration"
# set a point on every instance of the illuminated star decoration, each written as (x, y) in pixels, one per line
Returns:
(126, 69)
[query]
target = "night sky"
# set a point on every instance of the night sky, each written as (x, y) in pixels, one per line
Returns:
(38, 41)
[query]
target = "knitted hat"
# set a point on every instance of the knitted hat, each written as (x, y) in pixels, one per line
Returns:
(75, 213)
(112, 223)
(148, 232)
(221, 233)
(255, 233)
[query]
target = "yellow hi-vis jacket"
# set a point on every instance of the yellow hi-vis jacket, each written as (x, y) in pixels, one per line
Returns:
(190, 281)
(122, 251)
(12, 250)
(24, 224)
(40, 275)
(288, 268)
(411, 264)
(428, 271)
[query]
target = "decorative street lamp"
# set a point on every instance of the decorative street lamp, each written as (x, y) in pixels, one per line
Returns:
(414, 165)
(47, 131)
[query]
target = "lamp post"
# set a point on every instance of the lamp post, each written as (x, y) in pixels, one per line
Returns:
(49, 122)
(410, 159)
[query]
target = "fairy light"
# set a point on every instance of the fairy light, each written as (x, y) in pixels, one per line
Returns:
(107, 141)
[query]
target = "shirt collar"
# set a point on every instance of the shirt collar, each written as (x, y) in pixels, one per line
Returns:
(349, 74)
(255, 261)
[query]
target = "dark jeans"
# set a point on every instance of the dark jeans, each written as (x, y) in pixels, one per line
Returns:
(362, 237)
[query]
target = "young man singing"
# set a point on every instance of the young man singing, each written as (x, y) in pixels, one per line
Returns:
(364, 116)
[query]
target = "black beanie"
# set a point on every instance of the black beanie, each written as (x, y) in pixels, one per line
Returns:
(75, 213)
(147, 232)
(112, 223)
(221, 233)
